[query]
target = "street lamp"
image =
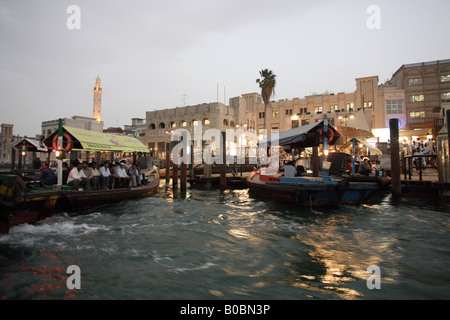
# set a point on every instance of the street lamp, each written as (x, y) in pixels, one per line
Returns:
(344, 120)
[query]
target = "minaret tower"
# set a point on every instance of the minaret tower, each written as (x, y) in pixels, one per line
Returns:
(98, 100)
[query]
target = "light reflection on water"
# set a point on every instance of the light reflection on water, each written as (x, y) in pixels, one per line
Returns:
(228, 245)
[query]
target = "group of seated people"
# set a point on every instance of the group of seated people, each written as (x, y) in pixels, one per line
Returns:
(367, 168)
(90, 177)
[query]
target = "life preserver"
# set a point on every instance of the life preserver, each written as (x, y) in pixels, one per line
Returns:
(66, 138)
(330, 135)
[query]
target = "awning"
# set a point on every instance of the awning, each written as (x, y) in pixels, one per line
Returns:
(347, 147)
(31, 145)
(301, 137)
(415, 133)
(87, 140)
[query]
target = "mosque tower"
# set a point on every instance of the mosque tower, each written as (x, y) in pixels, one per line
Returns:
(98, 100)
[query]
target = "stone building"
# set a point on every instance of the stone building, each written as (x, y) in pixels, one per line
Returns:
(427, 87)
(160, 123)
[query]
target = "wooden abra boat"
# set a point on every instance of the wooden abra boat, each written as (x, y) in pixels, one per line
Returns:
(18, 207)
(72, 201)
(40, 204)
(302, 191)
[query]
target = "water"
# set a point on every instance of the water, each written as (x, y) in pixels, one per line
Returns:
(229, 245)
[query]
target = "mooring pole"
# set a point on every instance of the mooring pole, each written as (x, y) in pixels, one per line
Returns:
(353, 156)
(223, 167)
(395, 160)
(167, 163)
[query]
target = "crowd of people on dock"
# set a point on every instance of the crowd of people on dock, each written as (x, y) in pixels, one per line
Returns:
(90, 176)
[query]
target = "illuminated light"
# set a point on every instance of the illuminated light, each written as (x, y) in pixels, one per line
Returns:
(325, 152)
(340, 117)
(23, 153)
(57, 153)
(352, 116)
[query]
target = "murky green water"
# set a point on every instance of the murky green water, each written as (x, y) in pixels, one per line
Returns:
(228, 245)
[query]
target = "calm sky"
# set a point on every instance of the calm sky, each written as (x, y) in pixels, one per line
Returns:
(151, 54)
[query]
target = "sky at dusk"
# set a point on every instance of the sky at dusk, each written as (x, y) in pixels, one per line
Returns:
(151, 54)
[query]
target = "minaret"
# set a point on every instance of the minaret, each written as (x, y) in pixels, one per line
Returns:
(98, 100)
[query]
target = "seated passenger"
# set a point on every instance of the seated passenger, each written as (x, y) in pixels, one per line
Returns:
(95, 182)
(134, 175)
(289, 170)
(47, 177)
(122, 179)
(87, 172)
(77, 178)
(105, 180)
(365, 168)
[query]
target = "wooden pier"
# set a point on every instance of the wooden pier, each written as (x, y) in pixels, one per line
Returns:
(232, 181)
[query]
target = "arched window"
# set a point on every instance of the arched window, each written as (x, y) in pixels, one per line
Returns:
(225, 122)
(152, 126)
(183, 123)
(162, 125)
(173, 124)
(232, 124)
(206, 121)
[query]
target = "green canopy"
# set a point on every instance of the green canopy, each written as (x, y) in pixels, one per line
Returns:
(87, 140)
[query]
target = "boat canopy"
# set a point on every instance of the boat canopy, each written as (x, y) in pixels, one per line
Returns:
(87, 140)
(301, 137)
(359, 145)
(31, 145)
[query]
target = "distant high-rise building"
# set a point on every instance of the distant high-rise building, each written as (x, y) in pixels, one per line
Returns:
(98, 100)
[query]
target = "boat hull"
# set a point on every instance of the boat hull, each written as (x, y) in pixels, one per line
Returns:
(311, 194)
(74, 201)
(34, 207)
(356, 193)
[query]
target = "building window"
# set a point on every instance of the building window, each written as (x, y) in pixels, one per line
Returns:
(445, 78)
(302, 110)
(334, 108)
(225, 122)
(183, 123)
(275, 114)
(161, 125)
(368, 104)
(261, 115)
(394, 106)
(206, 122)
(318, 109)
(417, 114)
(232, 124)
(295, 124)
(445, 97)
(173, 124)
(418, 98)
(305, 122)
(152, 126)
(288, 112)
(415, 81)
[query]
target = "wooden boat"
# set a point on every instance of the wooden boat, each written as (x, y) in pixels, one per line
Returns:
(74, 201)
(358, 192)
(19, 207)
(302, 191)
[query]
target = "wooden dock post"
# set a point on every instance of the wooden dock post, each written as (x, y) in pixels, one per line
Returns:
(167, 163)
(315, 161)
(223, 166)
(395, 160)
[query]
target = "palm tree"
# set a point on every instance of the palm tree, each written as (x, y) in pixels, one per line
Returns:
(267, 84)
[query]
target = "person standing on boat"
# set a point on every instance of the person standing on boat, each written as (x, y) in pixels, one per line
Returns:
(77, 178)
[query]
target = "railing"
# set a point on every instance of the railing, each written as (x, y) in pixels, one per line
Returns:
(407, 169)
